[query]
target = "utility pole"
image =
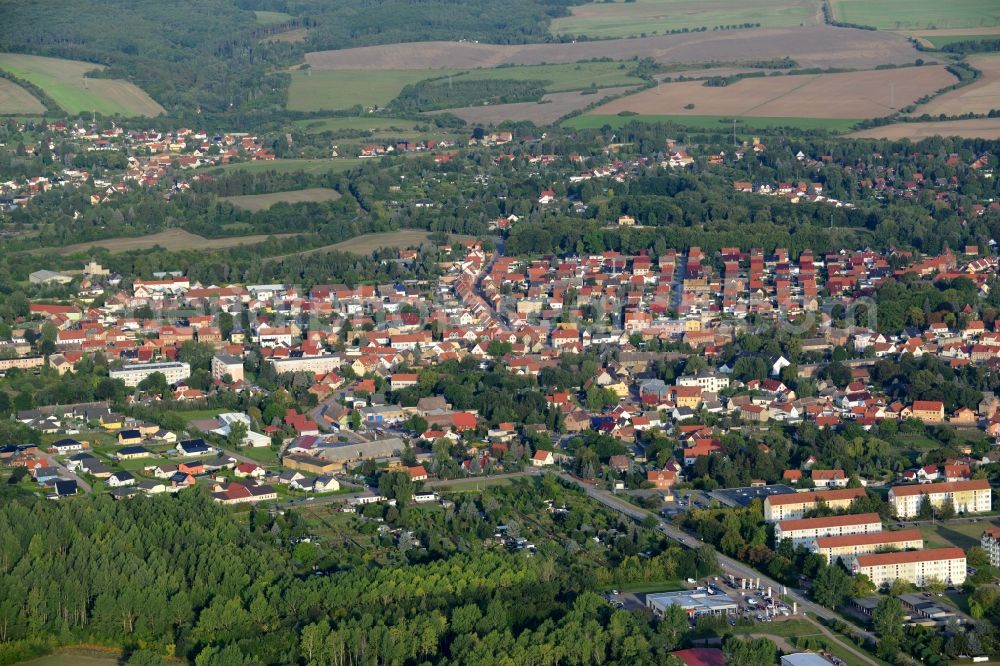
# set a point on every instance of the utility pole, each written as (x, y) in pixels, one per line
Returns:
(734, 133)
(892, 95)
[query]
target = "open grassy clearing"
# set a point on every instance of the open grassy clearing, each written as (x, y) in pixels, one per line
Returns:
(324, 90)
(368, 243)
(981, 96)
(980, 128)
(288, 166)
(848, 95)
(64, 82)
(172, 239)
(256, 202)
(812, 46)
(627, 19)
(360, 123)
(317, 90)
(961, 535)
(918, 14)
(75, 657)
(15, 100)
(720, 123)
(552, 107)
(270, 18)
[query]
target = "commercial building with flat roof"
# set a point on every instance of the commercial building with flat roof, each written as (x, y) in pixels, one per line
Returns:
(967, 496)
(918, 567)
(803, 531)
(695, 603)
(861, 544)
(788, 507)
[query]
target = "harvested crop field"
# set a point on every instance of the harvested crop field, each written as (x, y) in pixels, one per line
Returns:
(816, 46)
(64, 82)
(15, 99)
(172, 239)
(981, 96)
(553, 107)
(627, 19)
(847, 95)
(256, 202)
(979, 128)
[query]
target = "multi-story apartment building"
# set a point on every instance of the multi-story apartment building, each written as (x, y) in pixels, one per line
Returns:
(133, 374)
(224, 364)
(918, 567)
(853, 545)
(805, 530)
(967, 496)
(792, 506)
(991, 544)
(314, 364)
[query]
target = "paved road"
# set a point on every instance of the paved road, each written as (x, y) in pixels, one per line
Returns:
(65, 473)
(728, 564)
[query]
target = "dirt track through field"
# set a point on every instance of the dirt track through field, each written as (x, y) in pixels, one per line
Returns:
(816, 46)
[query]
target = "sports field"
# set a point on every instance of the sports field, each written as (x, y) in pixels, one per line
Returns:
(256, 202)
(64, 82)
(632, 19)
(723, 124)
(918, 14)
(288, 166)
(14, 99)
(317, 90)
(849, 95)
(172, 239)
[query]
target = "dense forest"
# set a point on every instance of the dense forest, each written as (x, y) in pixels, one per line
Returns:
(214, 587)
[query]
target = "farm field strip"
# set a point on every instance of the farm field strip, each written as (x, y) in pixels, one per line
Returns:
(312, 166)
(553, 107)
(863, 94)
(918, 14)
(723, 124)
(15, 99)
(257, 202)
(978, 128)
(318, 90)
(368, 243)
(981, 96)
(628, 19)
(811, 46)
(64, 82)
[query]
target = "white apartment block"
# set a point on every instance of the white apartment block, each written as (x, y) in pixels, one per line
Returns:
(133, 374)
(314, 364)
(804, 531)
(991, 544)
(708, 380)
(967, 496)
(917, 567)
(833, 547)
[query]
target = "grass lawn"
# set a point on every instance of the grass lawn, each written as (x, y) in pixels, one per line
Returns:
(962, 535)
(722, 124)
(310, 166)
(628, 19)
(361, 123)
(918, 14)
(318, 90)
(940, 41)
(258, 202)
(74, 657)
(472, 485)
(263, 454)
(64, 81)
(270, 18)
(786, 629)
(199, 414)
(655, 586)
